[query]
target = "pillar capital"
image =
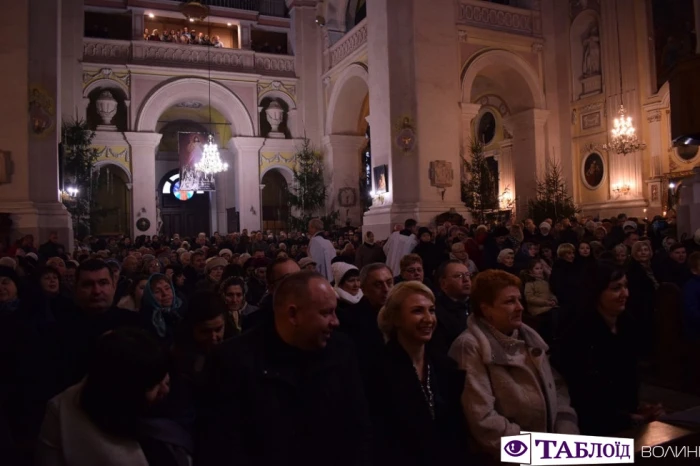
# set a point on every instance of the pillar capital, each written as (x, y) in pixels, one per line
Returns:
(246, 144)
(469, 111)
(335, 141)
(143, 139)
(533, 116)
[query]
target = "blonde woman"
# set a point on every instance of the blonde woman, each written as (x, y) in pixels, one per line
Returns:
(414, 395)
(510, 386)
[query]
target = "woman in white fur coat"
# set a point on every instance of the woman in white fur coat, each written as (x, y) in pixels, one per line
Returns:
(509, 385)
(346, 279)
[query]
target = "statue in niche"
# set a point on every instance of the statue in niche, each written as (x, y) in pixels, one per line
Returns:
(591, 53)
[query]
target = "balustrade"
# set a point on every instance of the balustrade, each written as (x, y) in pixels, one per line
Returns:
(185, 56)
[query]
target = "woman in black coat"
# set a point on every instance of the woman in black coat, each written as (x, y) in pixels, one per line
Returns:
(414, 394)
(598, 358)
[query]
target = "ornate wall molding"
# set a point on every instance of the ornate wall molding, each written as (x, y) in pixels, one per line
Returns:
(500, 17)
(186, 56)
(266, 87)
(653, 116)
(592, 107)
(277, 158)
(351, 42)
(123, 78)
(121, 153)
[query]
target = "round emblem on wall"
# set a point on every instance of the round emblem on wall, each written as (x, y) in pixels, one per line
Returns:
(143, 224)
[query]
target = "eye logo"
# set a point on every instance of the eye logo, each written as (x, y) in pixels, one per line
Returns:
(515, 448)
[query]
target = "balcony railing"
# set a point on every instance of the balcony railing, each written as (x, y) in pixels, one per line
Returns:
(264, 7)
(498, 17)
(185, 56)
(348, 44)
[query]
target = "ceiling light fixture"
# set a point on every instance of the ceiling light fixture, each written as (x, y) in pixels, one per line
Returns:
(151, 15)
(194, 11)
(624, 140)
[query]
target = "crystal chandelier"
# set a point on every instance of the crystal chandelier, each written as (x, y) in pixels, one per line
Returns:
(211, 163)
(624, 140)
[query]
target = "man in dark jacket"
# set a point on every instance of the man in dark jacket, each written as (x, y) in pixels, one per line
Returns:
(289, 392)
(452, 304)
(51, 248)
(275, 273)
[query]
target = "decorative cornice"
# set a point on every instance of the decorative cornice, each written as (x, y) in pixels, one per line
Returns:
(592, 107)
(351, 42)
(499, 17)
(122, 78)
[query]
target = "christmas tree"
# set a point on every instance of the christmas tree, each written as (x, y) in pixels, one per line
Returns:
(479, 185)
(309, 192)
(552, 199)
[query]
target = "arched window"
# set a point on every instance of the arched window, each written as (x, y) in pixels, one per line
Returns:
(172, 186)
(367, 160)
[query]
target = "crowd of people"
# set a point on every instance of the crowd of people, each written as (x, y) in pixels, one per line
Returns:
(183, 36)
(322, 347)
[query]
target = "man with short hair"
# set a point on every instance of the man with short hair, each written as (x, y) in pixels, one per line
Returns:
(320, 249)
(452, 303)
(275, 273)
(401, 243)
(289, 392)
(359, 321)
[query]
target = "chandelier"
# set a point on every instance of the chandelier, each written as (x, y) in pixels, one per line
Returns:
(194, 11)
(624, 140)
(211, 163)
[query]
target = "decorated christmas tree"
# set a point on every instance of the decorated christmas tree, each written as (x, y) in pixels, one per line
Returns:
(308, 194)
(552, 199)
(479, 185)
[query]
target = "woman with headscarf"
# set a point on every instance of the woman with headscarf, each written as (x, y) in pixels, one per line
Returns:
(347, 284)
(161, 308)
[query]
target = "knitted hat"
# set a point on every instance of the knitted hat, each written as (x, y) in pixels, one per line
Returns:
(215, 262)
(8, 262)
(545, 226)
(340, 269)
(244, 257)
(629, 224)
(10, 273)
(306, 261)
(225, 251)
(31, 255)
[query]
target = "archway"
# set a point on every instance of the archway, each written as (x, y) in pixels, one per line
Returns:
(111, 198)
(275, 209)
(348, 99)
(503, 84)
(182, 212)
(186, 92)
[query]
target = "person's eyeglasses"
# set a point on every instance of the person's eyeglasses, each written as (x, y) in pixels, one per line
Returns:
(462, 276)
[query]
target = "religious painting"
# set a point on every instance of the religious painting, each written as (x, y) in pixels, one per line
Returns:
(190, 151)
(441, 174)
(381, 179)
(593, 170)
(347, 197)
(590, 120)
(406, 135)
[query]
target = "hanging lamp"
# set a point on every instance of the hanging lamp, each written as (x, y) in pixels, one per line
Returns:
(624, 139)
(211, 162)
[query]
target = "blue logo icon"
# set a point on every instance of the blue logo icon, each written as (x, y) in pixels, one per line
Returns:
(515, 448)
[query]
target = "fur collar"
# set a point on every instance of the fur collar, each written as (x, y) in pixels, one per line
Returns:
(497, 348)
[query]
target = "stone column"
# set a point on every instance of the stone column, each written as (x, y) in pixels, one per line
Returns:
(246, 169)
(425, 89)
(138, 23)
(529, 143)
(305, 38)
(29, 137)
(342, 162)
(244, 41)
(143, 171)
(654, 144)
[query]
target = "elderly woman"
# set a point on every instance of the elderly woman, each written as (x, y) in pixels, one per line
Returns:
(161, 308)
(414, 395)
(510, 386)
(458, 251)
(347, 284)
(506, 261)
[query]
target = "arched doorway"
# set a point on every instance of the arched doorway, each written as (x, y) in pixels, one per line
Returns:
(111, 199)
(275, 209)
(182, 212)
